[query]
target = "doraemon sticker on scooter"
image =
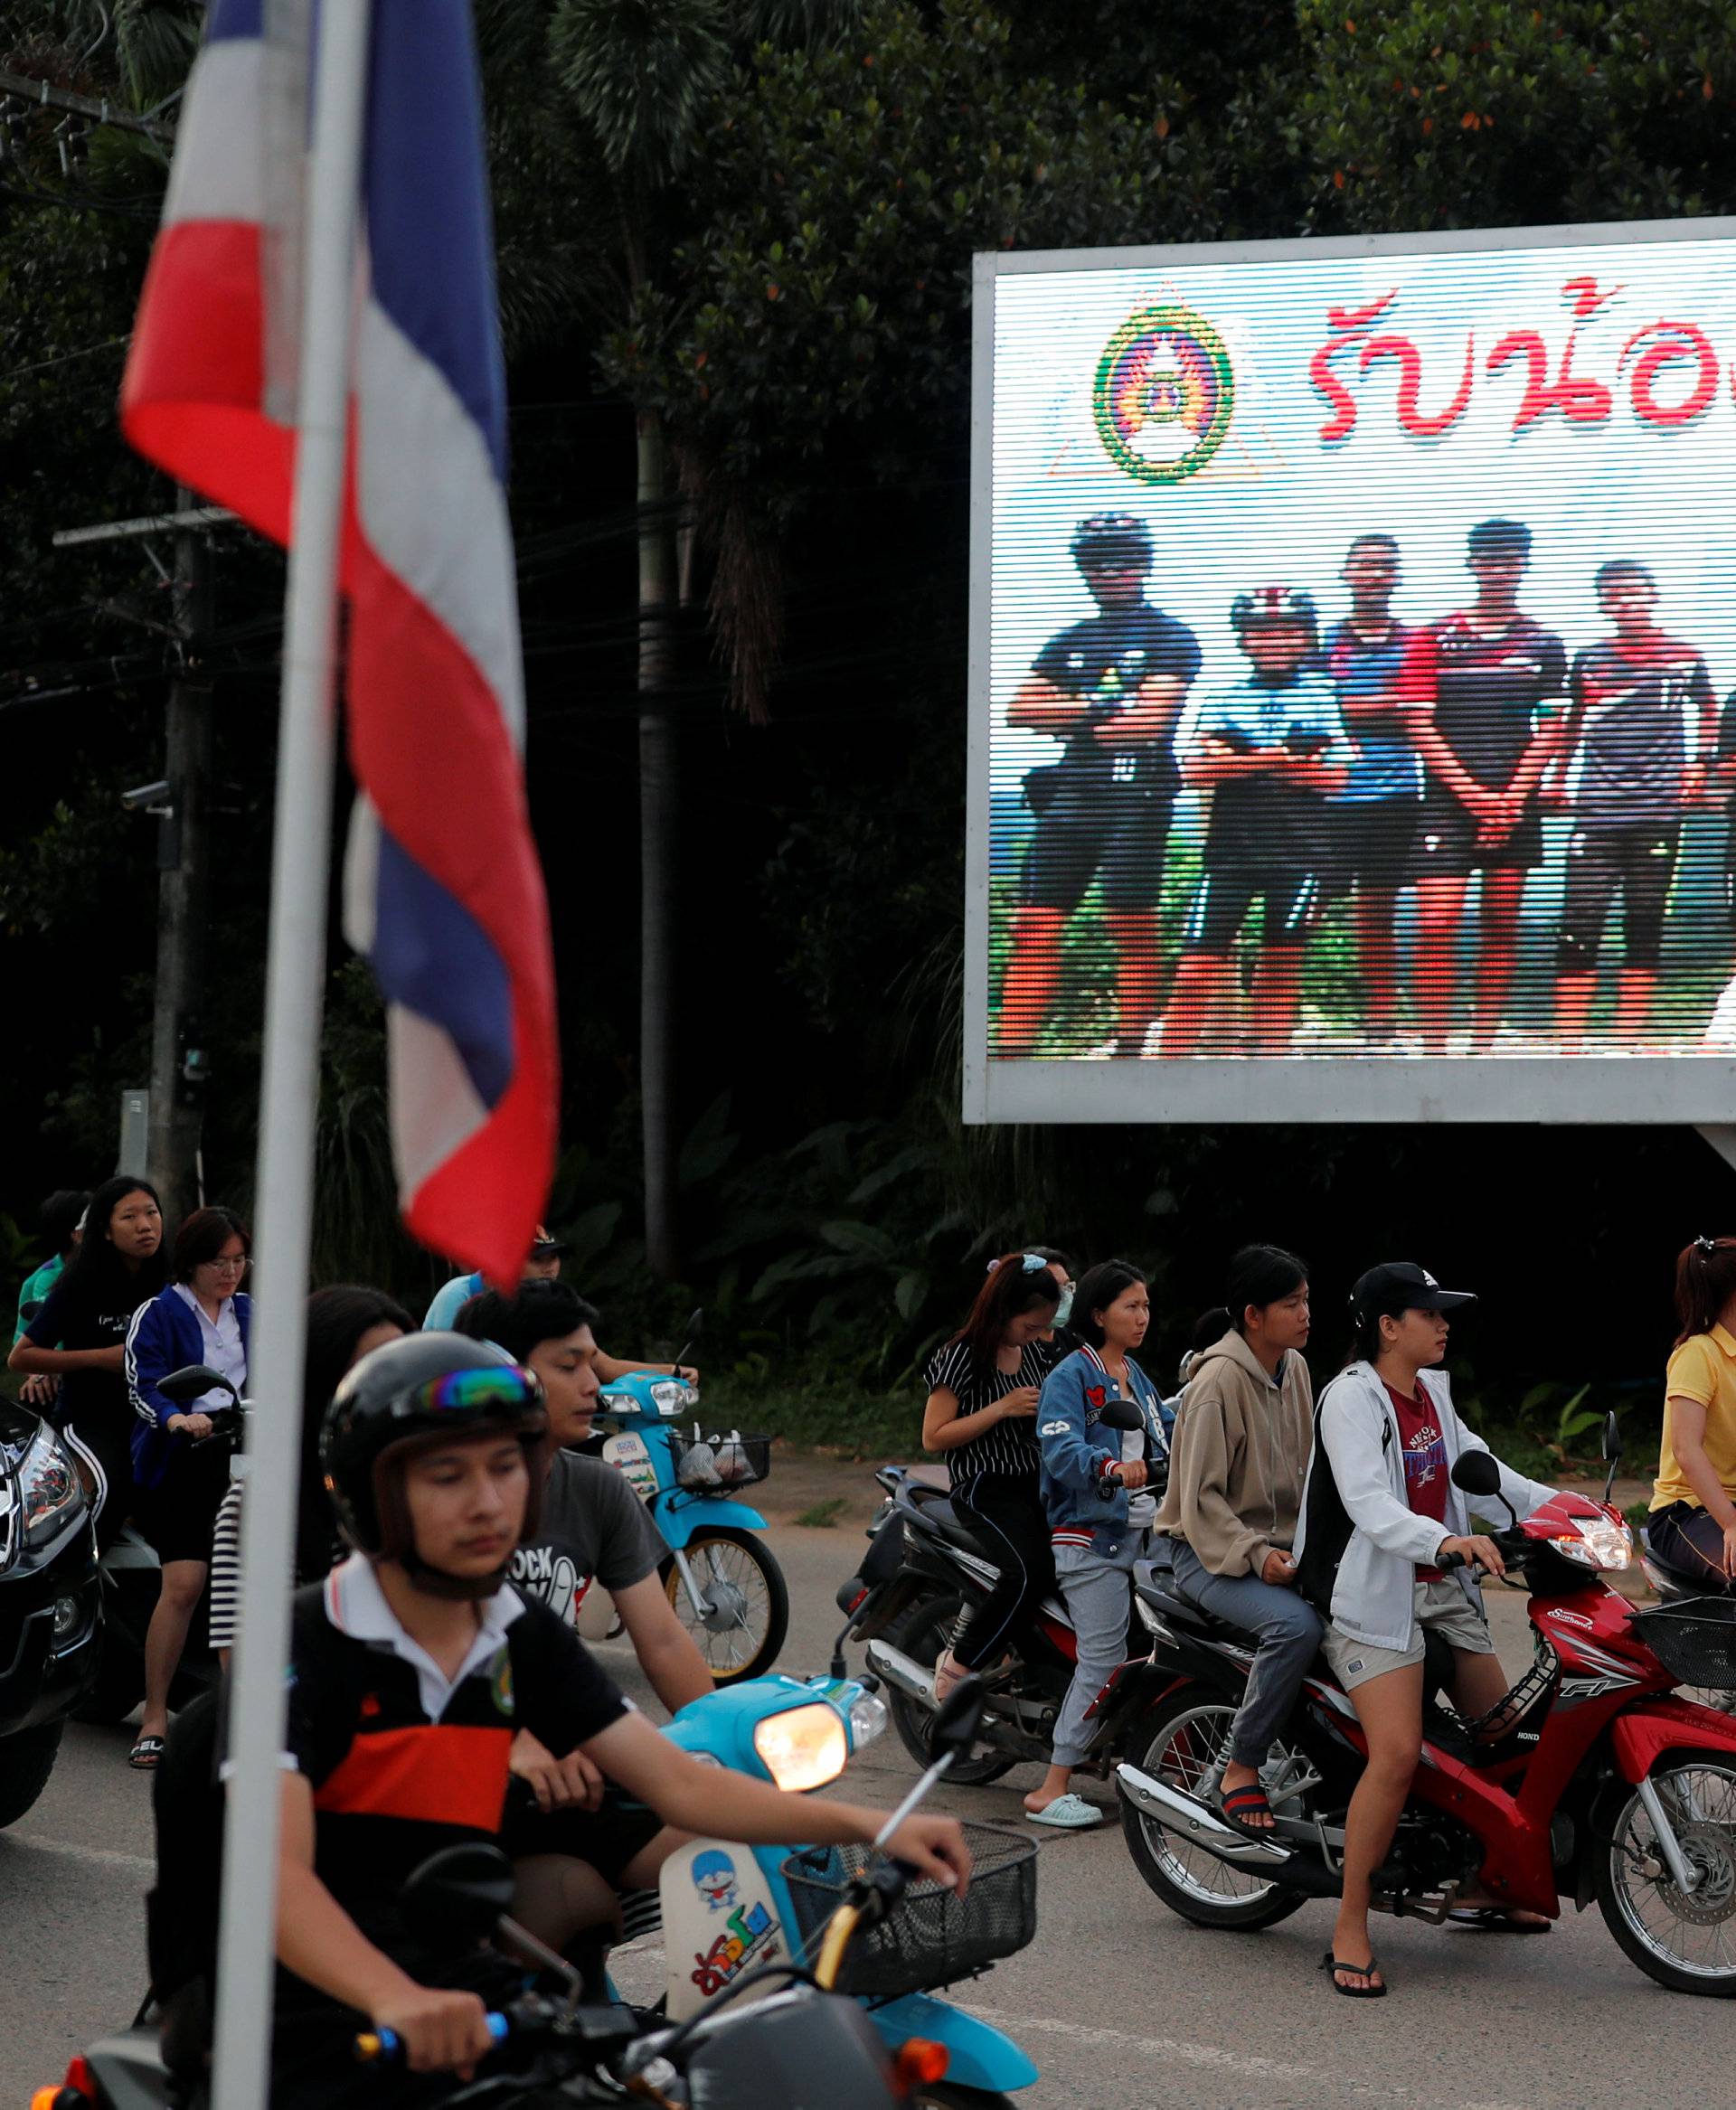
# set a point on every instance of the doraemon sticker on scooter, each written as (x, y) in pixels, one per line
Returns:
(627, 1453)
(719, 1921)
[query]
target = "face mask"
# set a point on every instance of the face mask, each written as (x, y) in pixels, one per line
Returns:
(1064, 1309)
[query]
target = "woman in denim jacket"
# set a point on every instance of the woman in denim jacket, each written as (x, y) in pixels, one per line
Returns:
(1100, 1487)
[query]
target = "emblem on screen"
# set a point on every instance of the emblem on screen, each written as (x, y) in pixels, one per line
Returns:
(1165, 394)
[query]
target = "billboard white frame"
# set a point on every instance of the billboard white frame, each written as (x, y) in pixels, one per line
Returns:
(1699, 1090)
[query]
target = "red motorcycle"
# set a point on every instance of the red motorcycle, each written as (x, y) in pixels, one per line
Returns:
(1601, 1783)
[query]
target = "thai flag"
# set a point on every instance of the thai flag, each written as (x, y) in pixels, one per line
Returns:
(443, 893)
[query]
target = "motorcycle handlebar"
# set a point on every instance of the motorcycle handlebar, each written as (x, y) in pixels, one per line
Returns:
(386, 2047)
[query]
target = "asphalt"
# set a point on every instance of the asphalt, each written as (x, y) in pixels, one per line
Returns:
(1122, 2006)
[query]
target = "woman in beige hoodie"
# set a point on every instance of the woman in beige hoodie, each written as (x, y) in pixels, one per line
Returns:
(1239, 1454)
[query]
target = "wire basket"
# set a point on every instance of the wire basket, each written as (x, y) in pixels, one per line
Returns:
(714, 1464)
(1695, 1641)
(931, 1937)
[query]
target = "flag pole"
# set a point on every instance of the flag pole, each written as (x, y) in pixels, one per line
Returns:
(289, 1092)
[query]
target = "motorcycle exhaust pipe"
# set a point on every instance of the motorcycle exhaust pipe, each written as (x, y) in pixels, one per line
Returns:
(904, 1672)
(1198, 1822)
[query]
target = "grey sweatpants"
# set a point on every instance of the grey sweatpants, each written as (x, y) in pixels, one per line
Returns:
(1289, 1637)
(1097, 1588)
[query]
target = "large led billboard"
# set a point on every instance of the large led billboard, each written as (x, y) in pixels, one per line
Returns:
(1353, 680)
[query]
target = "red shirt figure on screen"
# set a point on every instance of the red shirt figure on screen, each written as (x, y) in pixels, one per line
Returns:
(1640, 736)
(1374, 820)
(1485, 679)
(1110, 689)
(1272, 750)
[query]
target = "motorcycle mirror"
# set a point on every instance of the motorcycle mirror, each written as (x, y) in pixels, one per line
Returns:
(960, 1718)
(456, 1897)
(695, 1323)
(1477, 1473)
(1611, 1439)
(1120, 1413)
(192, 1382)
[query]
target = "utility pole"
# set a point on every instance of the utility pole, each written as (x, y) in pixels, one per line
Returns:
(182, 802)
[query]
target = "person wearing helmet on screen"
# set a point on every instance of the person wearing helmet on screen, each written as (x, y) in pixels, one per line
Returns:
(1271, 749)
(411, 1667)
(1111, 689)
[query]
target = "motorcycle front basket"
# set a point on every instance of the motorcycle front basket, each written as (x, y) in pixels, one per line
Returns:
(1694, 1640)
(714, 1464)
(931, 1937)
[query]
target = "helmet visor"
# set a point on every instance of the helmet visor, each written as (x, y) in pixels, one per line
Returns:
(506, 1389)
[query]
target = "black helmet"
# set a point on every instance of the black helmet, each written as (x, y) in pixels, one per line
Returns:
(1274, 604)
(410, 1392)
(1109, 542)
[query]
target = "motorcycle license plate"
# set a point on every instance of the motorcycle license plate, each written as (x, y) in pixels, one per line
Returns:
(630, 1455)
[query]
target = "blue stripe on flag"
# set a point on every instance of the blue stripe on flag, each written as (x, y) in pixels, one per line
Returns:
(234, 18)
(430, 239)
(432, 956)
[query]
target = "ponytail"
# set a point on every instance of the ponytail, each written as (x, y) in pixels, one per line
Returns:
(1705, 1281)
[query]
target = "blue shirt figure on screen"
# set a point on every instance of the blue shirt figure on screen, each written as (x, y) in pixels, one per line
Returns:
(1110, 688)
(1641, 732)
(1374, 818)
(1272, 750)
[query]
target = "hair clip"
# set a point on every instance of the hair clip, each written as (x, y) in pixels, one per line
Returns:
(1707, 1245)
(1034, 1263)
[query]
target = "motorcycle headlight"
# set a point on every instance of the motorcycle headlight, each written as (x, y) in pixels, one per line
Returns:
(804, 1747)
(1596, 1542)
(49, 1496)
(671, 1395)
(868, 1718)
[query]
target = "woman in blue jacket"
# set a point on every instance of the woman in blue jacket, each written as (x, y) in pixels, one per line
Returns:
(202, 1316)
(1100, 1487)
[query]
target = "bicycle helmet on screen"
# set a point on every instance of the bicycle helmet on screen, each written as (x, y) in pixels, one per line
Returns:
(410, 1395)
(1275, 604)
(1112, 542)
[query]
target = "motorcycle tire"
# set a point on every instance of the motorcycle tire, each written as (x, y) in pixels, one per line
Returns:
(946, 2096)
(921, 1634)
(1647, 1914)
(744, 1560)
(1156, 1738)
(26, 1760)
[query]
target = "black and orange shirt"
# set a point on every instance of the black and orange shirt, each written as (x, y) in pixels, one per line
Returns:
(403, 1761)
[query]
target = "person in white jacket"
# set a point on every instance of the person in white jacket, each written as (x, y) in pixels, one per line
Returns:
(1379, 1510)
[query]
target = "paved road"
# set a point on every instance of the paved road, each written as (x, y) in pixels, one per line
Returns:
(1123, 2006)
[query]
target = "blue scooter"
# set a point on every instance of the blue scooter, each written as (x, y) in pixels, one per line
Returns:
(729, 1909)
(723, 1581)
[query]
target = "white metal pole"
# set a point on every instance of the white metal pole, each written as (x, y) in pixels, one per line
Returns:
(289, 1092)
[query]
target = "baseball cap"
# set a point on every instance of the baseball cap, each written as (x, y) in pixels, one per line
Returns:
(1401, 1285)
(542, 1245)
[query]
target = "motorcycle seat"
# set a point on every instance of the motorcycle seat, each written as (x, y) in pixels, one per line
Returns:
(1163, 1597)
(937, 1511)
(1691, 1586)
(129, 2072)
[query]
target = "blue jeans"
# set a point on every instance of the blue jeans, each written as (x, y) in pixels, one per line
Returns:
(1289, 1638)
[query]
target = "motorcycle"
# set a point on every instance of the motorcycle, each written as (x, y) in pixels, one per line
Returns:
(853, 1944)
(723, 1581)
(1602, 1785)
(131, 1575)
(51, 1607)
(923, 1567)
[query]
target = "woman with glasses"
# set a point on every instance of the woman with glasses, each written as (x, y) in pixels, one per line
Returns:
(181, 1476)
(1692, 1520)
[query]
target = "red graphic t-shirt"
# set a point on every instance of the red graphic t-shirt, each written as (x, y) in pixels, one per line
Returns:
(1425, 1463)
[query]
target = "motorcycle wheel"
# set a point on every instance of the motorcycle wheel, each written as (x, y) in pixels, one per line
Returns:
(1681, 1938)
(939, 2096)
(26, 1760)
(1181, 1741)
(743, 1638)
(921, 1634)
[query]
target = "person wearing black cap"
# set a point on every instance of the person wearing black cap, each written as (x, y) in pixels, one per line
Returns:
(1379, 1509)
(1110, 689)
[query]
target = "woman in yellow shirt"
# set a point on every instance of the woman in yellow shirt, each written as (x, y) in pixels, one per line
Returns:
(1693, 1522)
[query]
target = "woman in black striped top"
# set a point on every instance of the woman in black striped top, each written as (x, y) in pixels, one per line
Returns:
(981, 1413)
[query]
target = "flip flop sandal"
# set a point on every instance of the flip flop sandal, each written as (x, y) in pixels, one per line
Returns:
(1068, 1813)
(146, 1755)
(1334, 1965)
(1236, 1805)
(1493, 1919)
